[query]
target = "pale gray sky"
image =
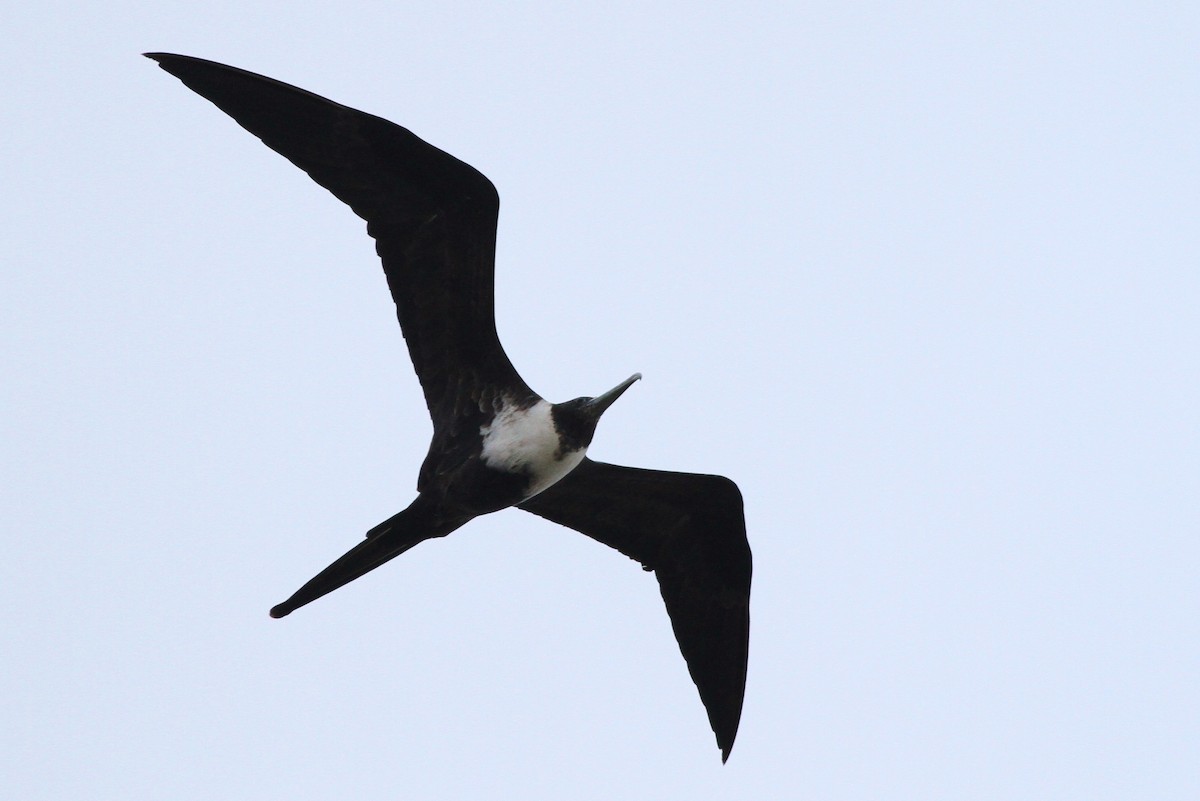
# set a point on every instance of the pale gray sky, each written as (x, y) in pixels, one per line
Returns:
(922, 278)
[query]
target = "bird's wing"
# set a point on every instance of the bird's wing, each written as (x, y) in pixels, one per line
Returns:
(433, 218)
(691, 531)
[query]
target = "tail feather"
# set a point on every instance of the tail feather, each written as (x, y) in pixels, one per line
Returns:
(385, 542)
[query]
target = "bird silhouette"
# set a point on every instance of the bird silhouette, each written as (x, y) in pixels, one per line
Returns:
(496, 443)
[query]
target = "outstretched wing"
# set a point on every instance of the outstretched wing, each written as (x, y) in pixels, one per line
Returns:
(691, 531)
(433, 218)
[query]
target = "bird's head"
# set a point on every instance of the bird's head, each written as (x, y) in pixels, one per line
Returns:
(576, 419)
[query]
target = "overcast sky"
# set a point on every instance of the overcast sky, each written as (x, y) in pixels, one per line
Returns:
(921, 278)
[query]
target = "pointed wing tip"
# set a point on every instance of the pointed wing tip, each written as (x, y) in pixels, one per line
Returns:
(172, 63)
(161, 57)
(281, 610)
(726, 745)
(181, 66)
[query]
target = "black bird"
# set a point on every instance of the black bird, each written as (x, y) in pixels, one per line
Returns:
(496, 443)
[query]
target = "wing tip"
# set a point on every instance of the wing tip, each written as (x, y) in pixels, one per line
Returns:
(161, 58)
(725, 741)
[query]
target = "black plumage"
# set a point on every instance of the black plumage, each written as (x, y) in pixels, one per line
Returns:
(496, 443)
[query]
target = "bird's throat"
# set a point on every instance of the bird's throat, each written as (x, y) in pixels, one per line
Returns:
(526, 441)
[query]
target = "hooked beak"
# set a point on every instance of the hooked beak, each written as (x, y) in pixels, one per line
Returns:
(599, 404)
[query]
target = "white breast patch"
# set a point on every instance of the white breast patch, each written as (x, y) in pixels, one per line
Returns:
(524, 440)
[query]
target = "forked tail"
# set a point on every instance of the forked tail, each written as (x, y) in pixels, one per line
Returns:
(419, 522)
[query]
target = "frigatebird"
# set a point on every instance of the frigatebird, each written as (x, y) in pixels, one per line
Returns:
(496, 443)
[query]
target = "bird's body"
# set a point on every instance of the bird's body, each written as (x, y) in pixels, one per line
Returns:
(496, 443)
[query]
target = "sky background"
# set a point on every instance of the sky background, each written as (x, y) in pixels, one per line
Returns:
(922, 278)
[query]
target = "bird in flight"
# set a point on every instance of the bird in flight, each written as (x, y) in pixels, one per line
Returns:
(497, 443)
